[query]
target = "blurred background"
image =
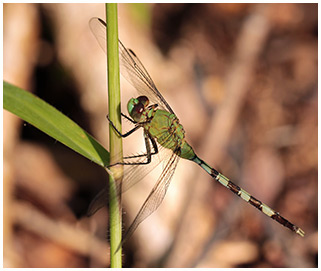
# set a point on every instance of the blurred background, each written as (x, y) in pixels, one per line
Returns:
(242, 78)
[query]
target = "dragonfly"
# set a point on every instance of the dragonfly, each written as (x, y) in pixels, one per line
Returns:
(163, 134)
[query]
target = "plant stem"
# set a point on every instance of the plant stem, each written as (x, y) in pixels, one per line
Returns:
(115, 141)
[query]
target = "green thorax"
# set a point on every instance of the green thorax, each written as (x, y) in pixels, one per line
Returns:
(169, 133)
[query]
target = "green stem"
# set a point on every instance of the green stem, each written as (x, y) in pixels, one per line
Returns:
(115, 141)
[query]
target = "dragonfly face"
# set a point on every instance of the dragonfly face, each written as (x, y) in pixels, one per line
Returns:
(136, 107)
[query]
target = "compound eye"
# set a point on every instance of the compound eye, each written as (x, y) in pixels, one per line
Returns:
(137, 111)
(143, 99)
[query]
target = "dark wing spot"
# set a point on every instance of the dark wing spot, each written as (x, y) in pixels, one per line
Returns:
(132, 52)
(102, 22)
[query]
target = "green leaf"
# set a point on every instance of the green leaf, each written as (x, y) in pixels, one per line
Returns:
(52, 122)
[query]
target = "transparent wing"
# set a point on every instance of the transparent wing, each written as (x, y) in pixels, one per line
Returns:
(131, 67)
(132, 175)
(155, 197)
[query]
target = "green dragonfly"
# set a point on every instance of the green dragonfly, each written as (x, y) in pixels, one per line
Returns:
(164, 135)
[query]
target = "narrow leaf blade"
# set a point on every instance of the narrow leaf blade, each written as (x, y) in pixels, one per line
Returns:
(52, 122)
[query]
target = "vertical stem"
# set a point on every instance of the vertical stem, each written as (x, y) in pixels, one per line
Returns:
(114, 140)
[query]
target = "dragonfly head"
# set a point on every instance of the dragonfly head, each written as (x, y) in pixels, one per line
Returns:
(136, 107)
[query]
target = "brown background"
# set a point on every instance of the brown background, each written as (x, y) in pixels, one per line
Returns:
(242, 78)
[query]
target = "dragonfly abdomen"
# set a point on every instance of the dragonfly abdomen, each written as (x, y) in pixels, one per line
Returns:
(248, 197)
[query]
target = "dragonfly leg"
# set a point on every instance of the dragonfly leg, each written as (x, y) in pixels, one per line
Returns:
(126, 117)
(148, 153)
(155, 150)
(129, 132)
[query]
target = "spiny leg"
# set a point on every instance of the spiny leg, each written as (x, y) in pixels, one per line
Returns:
(247, 197)
(138, 125)
(148, 154)
(147, 137)
(155, 148)
(126, 117)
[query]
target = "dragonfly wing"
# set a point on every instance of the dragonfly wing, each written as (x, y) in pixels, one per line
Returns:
(155, 197)
(99, 30)
(131, 67)
(99, 201)
(135, 173)
(136, 74)
(132, 175)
